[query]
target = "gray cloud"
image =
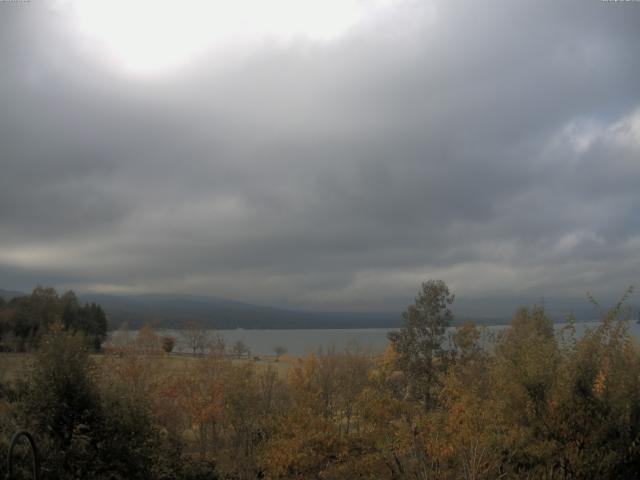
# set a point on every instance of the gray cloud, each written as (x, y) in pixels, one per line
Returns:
(495, 145)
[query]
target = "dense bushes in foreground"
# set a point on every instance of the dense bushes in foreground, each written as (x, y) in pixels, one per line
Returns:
(531, 402)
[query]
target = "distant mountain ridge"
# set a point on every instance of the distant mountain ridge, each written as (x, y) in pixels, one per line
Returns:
(9, 294)
(172, 310)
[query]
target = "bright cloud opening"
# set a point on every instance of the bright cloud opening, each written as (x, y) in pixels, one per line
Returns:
(151, 36)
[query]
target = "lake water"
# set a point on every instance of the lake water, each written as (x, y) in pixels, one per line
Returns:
(302, 342)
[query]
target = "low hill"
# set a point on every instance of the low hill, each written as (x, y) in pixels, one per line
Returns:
(9, 294)
(171, 311)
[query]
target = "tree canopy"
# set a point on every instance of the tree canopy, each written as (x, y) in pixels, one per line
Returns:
(419, 343)
(24, 320)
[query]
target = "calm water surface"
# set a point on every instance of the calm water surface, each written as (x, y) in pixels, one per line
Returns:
(302, 342)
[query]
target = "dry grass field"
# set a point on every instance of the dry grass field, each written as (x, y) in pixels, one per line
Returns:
(14, 365)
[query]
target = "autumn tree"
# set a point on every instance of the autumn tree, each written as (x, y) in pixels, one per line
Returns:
(168, 343)
(307, 440)
(526, 367)
(466, 342)
(121, 338)
(243, 416)
(199, 396)
(595, 409)
(466, 425)
(567, 407)
(147, 341)
(322, 434)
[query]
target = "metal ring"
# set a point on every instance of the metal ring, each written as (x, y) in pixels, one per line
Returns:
(35, 463)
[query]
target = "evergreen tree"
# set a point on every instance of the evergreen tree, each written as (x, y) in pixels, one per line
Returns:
(419, 341)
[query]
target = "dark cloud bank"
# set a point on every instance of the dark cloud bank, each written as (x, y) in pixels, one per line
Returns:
(495, 145)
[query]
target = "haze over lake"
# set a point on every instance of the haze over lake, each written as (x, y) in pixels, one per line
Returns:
(301, 342)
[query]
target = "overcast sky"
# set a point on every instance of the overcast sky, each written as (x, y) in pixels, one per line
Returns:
(335, 165)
